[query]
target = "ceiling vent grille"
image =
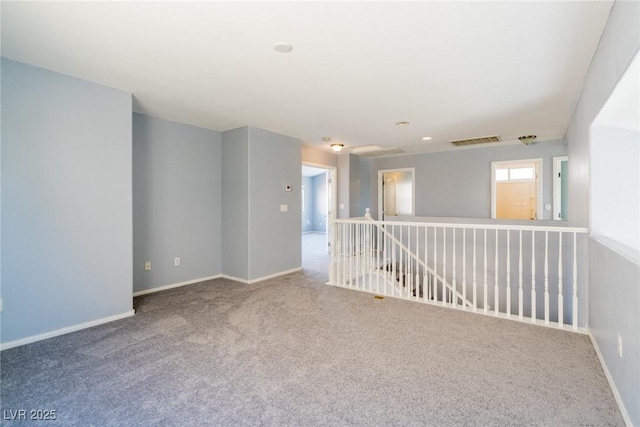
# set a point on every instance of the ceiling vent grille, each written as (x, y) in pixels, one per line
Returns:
(474, 141)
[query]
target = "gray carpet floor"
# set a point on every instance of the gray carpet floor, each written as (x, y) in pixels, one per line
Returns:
(294, 351)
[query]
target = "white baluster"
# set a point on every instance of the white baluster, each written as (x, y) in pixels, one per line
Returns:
(400, 265)
(454, 256)
(350, 232)
(393, 262)
(435, 265)
(378, 252)
(417, 283)
(533, 277)
(427, 281)
(464, 268)
(444, 264)
(575, 282)
(343, 279)
(475, 296)
(520, 291)
(486, 302)
(358, 273)
(370, 262)
(496, 289)
(546, 277)
(560, 296)
(408, 272)
(508, 273)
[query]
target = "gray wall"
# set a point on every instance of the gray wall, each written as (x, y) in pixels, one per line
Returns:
(235, 203)
(177, 197)
(359, 185)
(66, 201)
(309, 203)
(458, 183)
(320, 203)
(274, 236)
(614, 299)
(613, 288)
(343, 186)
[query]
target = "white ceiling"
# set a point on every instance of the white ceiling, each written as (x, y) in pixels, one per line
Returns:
(453, 69)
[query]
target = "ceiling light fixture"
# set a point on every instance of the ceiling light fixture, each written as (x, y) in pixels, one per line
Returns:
(527, 139)
(326, 139)
(402, 123)
(336, 147)
(283, 47)
(427, 138)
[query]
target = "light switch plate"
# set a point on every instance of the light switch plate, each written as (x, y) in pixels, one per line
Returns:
(284, 208)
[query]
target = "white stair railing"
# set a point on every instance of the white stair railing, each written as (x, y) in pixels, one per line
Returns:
(417, 261)
(525, 273)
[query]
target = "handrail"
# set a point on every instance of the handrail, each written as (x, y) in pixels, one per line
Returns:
(469, 225)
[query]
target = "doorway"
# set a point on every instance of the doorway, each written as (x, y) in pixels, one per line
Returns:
(396, 188)
(516, 189)
(318, 204)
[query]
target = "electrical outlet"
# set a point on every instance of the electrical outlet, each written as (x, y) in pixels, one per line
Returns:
(147, 266)
(619, 345)
(176, 261)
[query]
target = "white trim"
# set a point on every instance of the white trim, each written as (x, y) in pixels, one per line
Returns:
(249, 201)
(235, 279)
(271, 276)
(63, 331)
(175, 285)
(612, 384)
(413, 189)
(260, 279)
(539, 181)
(332, 172)
(557, 189)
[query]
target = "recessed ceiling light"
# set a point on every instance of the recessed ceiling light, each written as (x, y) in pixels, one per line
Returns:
(326, 139)
(282, 47)
(402, 123)
(427, 138)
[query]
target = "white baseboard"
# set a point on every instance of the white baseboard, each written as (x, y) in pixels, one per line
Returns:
(62, 331)
(271, 276)
(612, 384)
(235, 279)
(175, 285)
(260, 279)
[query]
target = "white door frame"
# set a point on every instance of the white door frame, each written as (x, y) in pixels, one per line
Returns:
(539, 178)
(333, 209)
(557, 188)
(381, 172)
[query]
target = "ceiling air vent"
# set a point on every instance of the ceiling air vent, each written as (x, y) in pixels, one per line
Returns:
(474, 141)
